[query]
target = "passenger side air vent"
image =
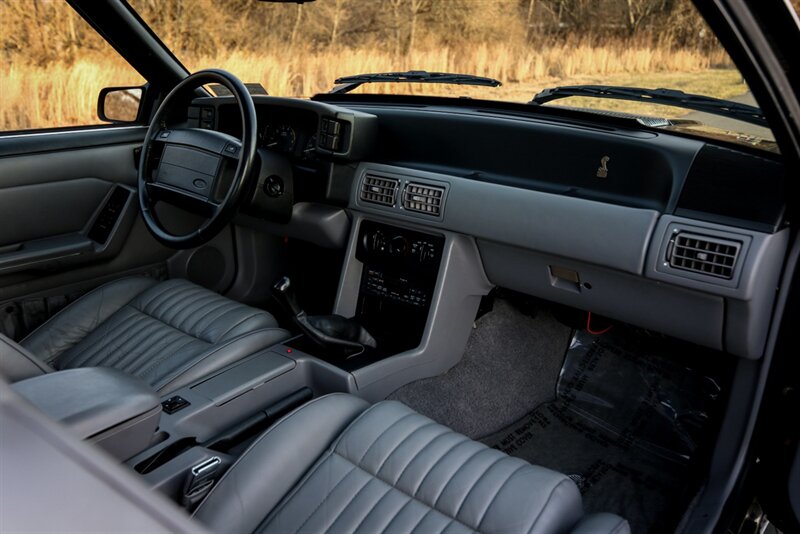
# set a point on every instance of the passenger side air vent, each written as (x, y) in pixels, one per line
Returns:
(379, 190)
(423, 198)
(703, 254)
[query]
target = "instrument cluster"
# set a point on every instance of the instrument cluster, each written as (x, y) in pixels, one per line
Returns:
(290, 134)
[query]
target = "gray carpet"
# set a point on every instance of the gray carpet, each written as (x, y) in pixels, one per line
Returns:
(510, 366)
(624, 425)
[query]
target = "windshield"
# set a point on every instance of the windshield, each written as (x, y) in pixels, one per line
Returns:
(528, 45)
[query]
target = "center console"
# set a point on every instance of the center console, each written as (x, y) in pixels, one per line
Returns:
(397, 284)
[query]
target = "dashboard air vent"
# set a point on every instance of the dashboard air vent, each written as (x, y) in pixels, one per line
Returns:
(422, 198)
(703, 254)
(379, 190)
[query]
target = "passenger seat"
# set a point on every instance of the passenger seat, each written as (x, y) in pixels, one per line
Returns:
(339, 465)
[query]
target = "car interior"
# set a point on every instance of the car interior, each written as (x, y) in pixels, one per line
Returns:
(357, 312)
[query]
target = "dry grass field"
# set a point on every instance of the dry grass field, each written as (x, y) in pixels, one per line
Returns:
(64, 93)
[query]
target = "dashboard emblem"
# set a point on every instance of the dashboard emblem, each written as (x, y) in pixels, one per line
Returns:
(602, 171)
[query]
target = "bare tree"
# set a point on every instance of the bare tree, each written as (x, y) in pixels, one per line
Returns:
(529, 19)
(638, 11)
(336, 19)
(417, 7)
(296, 28)
(396, 5)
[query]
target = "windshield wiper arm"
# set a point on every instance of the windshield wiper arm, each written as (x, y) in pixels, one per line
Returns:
(348, 83)
(669, 97)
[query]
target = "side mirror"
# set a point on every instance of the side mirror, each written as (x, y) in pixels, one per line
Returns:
(119, 104)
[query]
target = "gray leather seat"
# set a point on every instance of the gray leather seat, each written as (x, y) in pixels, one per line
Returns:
(340, 465)
(166, 333)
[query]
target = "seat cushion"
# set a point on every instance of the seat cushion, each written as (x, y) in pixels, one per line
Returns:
(390, 469)
(168, 334)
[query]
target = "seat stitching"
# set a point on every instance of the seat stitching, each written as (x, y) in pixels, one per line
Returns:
(447, 525)
(213, 349)
(410, 496)
(155, 295)
(260, 438)
(116, 344)
(165, 323)
(68, 356)
(445, 432)
(421, 519)
(199, 313)
(164, 298)
(189, 298)
(155, 363)
(98, 289)
(189, 310)
(387, 429)
(547, 502)
(110, 342)
(124, 355)
(396, 514)
(372, 508)
(206, 320)
(344, 508)
(199, 318)
(170, 299)
(453, 476)
(438, 460)
(403, 441)
(499, 489)
(326, 497)
(255, 314)
(477, 481)
(146, 348)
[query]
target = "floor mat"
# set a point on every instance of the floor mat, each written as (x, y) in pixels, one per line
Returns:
(510, 366)
(624, 426)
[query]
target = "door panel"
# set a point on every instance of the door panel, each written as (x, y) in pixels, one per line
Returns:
(69, 219)
(31, 207)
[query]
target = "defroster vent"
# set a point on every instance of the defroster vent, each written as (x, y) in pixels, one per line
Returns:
(703, 254)
(379, 190)
(423, 198)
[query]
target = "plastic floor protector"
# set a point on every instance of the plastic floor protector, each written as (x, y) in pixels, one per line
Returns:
(625, 423)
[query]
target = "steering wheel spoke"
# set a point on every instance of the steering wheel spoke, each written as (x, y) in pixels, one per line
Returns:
(187, 201)
(185, 166)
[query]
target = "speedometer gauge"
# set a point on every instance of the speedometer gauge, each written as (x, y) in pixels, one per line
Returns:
(281, 138)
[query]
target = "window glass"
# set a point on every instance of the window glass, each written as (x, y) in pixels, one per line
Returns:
(301, 49)
(53, 66)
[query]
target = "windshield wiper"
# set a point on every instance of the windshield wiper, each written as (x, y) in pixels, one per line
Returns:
(348, 83)
(669, 97)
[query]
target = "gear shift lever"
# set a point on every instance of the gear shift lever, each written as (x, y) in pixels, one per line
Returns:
(284, 294)
(328, 331)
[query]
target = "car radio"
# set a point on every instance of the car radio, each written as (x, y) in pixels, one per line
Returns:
(397, 282)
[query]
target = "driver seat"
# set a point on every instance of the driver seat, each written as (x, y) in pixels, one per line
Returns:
(168, 334)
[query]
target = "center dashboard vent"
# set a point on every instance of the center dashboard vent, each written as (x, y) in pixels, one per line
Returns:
(423, 198)
(379, 190)
(703, 254)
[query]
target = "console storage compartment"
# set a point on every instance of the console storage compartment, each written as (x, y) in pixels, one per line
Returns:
(110, 408)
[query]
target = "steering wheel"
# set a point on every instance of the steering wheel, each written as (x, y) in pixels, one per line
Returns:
(201, 171)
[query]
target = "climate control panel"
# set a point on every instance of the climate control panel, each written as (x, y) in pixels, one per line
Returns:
(393, 246)
(400, 265)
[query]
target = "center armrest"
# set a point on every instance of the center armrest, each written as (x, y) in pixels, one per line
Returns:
(113, 409)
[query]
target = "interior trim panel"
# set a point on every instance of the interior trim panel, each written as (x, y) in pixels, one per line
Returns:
(616, 258)
(545, 222)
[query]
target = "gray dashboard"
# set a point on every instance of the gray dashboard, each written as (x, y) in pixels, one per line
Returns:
(665, 232)
(601, 257)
